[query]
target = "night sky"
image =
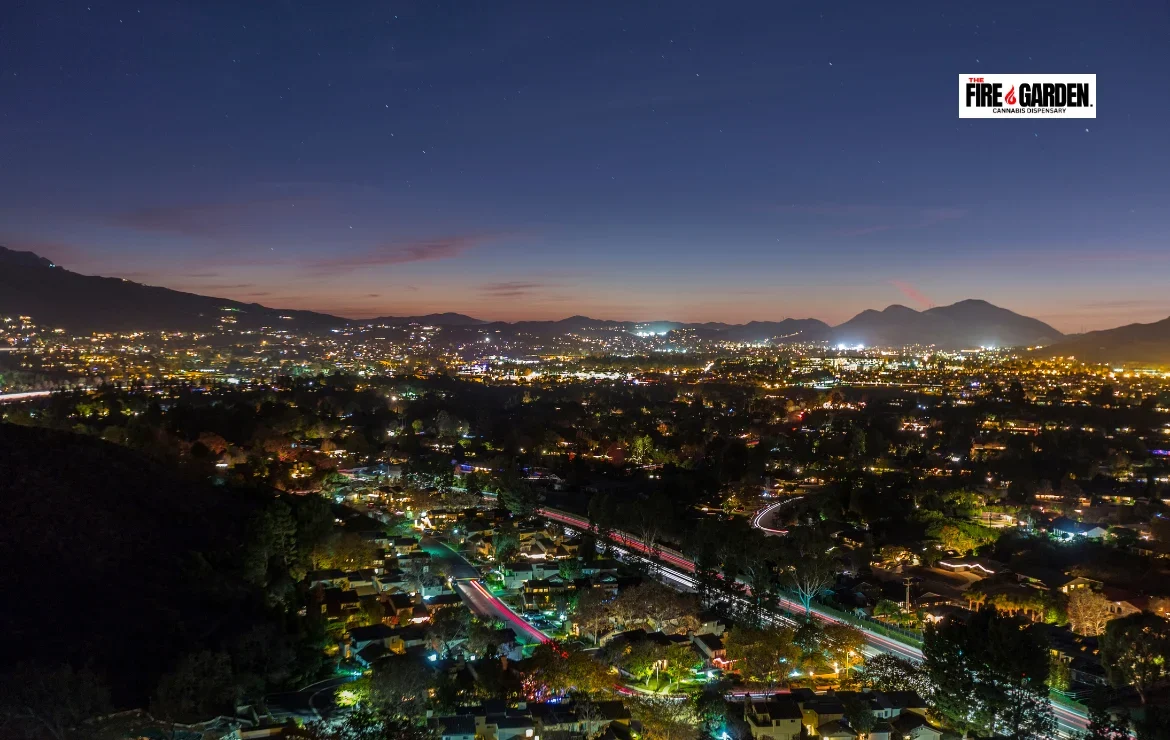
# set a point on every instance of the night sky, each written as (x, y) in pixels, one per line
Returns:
(635, 160)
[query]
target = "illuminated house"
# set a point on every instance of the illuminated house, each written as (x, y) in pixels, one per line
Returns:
(1064, 528)
(777, 717)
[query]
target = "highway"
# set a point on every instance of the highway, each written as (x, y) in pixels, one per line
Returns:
(678, 570)
(4, 397)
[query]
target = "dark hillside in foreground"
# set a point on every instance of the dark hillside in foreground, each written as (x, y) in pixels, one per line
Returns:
(110, 560)
(31, 285)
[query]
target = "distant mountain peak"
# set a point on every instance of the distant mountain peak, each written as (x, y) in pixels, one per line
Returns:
(975, 302)
(966, 324)
(447, 318)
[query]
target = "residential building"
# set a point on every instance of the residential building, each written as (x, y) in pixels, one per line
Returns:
(776, 717)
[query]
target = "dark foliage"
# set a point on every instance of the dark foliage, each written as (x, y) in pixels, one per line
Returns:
(114, 564)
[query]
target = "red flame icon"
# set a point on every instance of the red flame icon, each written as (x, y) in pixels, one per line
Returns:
(1011, 96)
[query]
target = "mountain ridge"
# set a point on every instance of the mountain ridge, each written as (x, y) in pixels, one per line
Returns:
(446, 318)
(58, 297)
(35, 286)
(967, 323)
(1136, 343)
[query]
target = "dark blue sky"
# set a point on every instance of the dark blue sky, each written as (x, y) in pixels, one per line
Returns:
(675, 160)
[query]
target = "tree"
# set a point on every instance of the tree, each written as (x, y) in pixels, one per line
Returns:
(657, 605)
(505, 545)
(638, 658)
(641, 449)
(461, 499)
(858, 714)
(1102, 724)
(762, 655)
(989, 674)
(651, 517)
(200, 687)
(419, 574)
(808, 567)
(569, 569)
(680, 661)
(951, 675)
(961, 536)
(449, 626)
(1059, 674)
(474, 483)
(603, 513)
(518, 496)
(1153, 722)
(593, 612)
(857, 445)
(1014, 679)
(664, 719)
(563, 670)
(1105, 395)
(39, 701)
(214, 443)
(1088, 612)
(887, 608)
(809, 639)
(843, 644)
(592, 718)
(483, 640)
(371, 612)
(755, 557)
(344, 550)
(1135, 651)
(366, 723)
(272, 548)
(712, 712)
(496, 680)
(314, 523)
(399, 687)
(1160, 528)
(886, 672)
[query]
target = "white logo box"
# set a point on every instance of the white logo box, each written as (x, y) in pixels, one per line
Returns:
(1027, 96)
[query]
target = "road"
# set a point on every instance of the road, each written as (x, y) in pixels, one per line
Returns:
(472, 591)
(23, 396)
(477, 597)
(313, 702)
(678, 570)
(454, 564)
(763, 518)
(482, 602)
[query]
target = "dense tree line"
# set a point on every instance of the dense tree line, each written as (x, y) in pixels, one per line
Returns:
(158, 591)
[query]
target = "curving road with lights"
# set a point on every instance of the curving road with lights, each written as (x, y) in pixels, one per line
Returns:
(765, 514)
